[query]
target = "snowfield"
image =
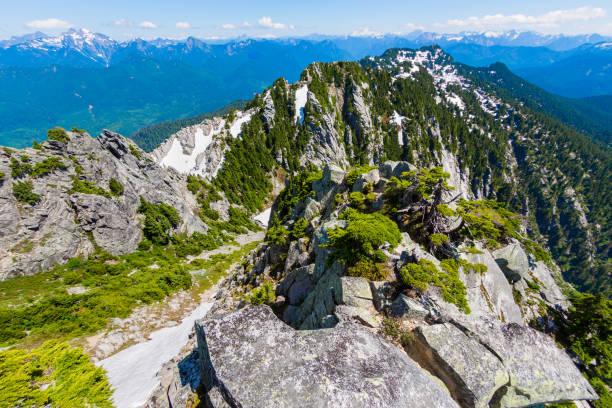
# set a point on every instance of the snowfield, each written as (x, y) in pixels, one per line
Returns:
(131, 372)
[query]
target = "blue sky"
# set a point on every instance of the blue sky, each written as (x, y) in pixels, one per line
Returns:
(123, 19)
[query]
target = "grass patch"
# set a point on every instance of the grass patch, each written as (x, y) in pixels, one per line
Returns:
(54, 374)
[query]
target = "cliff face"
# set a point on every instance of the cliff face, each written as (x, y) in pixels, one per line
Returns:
(483, 350)
(69, 217)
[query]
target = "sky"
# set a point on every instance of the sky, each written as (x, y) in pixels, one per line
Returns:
(125, 19)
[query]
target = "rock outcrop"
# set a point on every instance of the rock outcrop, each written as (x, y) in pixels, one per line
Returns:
(250, 358)
(489, 357)
(64, 223)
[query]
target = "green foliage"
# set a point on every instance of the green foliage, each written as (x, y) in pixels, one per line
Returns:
(357, 200)
(47, 166)
(297, 188)
(357, 245)
(160, 219)
(135, 152)
(58, 134)
(20, 168)
(36, 145)
(115, 187)
(22, 190)
(54, 374)
(194, 183)
(588, 333)
(425, 273)
(245, 175)
(276, 234)
(393, 329)
(299, 229)
(115, 285)
(486, 219)
(77, 130)
(1, 177)
(438, 239)
(87, 187)
(355, 172)
(263, 295)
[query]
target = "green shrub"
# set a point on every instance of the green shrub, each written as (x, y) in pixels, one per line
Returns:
(22, 190)
(298, 188)
(438, 239)
(74, 381)
(47, 166)
(263, 295)
(19, 168)
(421, 275)
(58, 134)
(115, 187)
(135, 152)
(352, 175)
(276, 233)
(160, 219)
(357, 244)
(36, 145)
(299, 229)
(77, 130)
(87, 187)
(1, 178)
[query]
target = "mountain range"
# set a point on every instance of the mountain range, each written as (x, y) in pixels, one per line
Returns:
(98, 82)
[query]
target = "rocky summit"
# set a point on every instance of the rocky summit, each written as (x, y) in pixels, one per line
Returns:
(333, 338)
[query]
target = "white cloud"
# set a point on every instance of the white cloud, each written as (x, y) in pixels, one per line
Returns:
(412, 27)
(266, 22)
(183, 25)
(550, 19)
(366, 32)
(122, 22)
(49, 23)
(147, 24)
(245, 24)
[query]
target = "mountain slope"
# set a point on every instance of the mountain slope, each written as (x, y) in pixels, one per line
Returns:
(586, 72)
(422, 107)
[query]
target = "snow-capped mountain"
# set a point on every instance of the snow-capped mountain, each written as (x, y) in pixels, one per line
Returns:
(512, 38)
(74, 48)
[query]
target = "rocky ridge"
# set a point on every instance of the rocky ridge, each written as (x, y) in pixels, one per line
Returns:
(490, 357)
(419, 106)
(63, 223)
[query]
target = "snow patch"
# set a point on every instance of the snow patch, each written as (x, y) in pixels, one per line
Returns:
(236, 127)
(301, 95)
(132, 372)
(397, 119)
(264, 217)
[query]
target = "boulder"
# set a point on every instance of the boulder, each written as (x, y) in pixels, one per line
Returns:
(540, 372)
(513, 261)
(372, 177)
(470, 372)
(250, 358)
(409, 308)
(382, 294)
(355, 292)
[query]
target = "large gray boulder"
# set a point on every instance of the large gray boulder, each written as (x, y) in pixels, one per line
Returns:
(540, 372)
(471, 373)
(250, 358)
